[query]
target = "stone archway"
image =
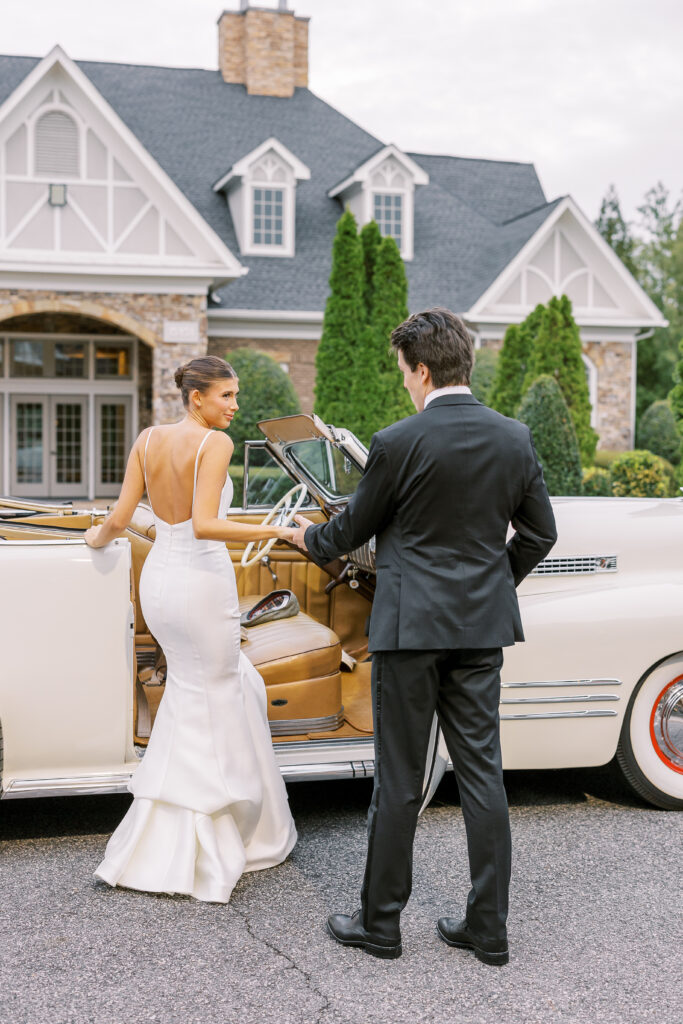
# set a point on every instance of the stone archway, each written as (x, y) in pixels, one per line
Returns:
(22, 307)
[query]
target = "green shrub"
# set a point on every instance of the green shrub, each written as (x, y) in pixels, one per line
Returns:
(657, 432)
(640, 474)
(604, 457)
(597, 482)
(265, 392)
(483, 374)
(545, 412)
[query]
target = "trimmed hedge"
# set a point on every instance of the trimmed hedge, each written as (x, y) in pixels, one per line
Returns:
(597, 482)
(657, 432)
(545, 412)
(640, 474)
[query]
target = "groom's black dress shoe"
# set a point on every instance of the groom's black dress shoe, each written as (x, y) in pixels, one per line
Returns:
(457, 933)
(349, 931)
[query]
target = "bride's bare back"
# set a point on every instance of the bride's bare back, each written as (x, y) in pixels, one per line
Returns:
(169, 464)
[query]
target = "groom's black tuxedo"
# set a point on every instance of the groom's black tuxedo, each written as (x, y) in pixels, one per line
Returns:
(439, 492)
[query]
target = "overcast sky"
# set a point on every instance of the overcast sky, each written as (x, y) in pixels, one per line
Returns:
(590, 91)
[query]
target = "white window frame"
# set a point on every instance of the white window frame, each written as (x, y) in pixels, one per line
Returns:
(288, 228)
(403, 193)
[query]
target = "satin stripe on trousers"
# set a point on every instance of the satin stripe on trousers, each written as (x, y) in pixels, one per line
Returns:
(463, 687)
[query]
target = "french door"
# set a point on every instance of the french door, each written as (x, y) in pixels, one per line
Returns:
(49, 446)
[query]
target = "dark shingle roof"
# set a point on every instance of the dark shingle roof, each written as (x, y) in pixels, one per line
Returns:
(196, 127)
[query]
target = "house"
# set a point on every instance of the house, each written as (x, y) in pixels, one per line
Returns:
(149, 214)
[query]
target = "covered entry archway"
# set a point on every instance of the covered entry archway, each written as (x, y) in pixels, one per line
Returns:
(74, 391)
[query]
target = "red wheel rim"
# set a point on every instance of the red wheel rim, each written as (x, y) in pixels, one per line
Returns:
(653, 732)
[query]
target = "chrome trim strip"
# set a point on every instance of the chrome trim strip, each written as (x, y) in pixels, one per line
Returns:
(333, 770)
(561, 714)
(565, 682)
(296, 726)
(82, 785)
(565, 699)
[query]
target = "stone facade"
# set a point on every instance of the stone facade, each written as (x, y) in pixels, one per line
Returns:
(297, 355)
(613, 361)
(265, 50)
(142, 315)
(616, 371)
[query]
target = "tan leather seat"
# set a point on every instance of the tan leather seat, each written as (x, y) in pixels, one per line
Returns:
(288, 649)
(300, 661)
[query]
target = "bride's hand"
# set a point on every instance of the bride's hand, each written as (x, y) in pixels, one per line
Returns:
(91, 537)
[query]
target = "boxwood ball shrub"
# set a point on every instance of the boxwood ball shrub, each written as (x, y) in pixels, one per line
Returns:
(265, 392)
(639, 474)
(597, 482)
(545, 412)
(657, 432)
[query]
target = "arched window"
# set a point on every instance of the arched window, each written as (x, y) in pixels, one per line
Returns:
(56, 145)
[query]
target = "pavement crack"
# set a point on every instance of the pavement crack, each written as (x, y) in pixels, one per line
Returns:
(310, 984)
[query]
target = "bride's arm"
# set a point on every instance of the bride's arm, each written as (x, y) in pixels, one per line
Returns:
(132, 489)
(213, 467)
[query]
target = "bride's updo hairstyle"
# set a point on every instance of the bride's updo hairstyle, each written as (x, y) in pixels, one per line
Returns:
(200, 374)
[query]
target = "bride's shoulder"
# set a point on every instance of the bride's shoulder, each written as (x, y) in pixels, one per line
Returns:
(219, 445)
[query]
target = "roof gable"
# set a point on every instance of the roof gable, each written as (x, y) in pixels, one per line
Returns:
(566, 255)
(122, 213)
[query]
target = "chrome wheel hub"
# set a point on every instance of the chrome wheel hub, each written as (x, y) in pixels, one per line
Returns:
(666, 725)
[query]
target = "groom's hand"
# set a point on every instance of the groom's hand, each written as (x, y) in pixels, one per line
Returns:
(300, 532)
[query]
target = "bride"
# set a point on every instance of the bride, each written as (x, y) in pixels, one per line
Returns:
(209, 801)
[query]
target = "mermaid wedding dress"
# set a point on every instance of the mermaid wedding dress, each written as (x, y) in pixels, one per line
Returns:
(209, 802)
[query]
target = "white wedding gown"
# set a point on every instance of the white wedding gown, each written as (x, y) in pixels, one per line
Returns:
(209, 802)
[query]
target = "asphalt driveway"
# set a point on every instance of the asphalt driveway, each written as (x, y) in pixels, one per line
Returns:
(596, 923)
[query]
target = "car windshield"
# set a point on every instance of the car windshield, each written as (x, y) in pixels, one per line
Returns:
(325, 464)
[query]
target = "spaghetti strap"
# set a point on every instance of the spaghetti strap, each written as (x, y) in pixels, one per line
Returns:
(144, 467)
(196, 463)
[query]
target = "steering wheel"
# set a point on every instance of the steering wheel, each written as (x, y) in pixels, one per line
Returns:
(281, 514)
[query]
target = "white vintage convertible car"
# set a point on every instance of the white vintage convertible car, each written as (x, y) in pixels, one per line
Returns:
(600, 676)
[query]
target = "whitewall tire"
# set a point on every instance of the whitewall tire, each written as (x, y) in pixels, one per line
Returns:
(650, 751)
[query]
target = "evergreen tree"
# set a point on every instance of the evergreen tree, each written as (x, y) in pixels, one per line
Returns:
(483, 373)
(557, 353)
(378, 397)
(657, 432)
(545, 412)
(616, 231)
(342, 327)
(371, 239)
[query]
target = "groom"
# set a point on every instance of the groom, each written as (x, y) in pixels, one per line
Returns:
(439, 491)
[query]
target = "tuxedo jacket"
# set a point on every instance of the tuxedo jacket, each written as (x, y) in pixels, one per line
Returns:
(439, 491)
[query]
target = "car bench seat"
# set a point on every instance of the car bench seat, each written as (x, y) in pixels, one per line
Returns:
(300, 661)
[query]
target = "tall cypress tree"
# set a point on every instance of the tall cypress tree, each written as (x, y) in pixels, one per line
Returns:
(379, 397)
(557, 353)
(371, 239)
(545, 412)
(342, 326)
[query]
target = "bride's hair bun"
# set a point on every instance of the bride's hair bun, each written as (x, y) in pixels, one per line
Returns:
(199, 374)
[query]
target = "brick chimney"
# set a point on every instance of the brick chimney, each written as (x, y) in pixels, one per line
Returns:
(264, 49)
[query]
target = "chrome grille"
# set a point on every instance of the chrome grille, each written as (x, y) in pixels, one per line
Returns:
(579, 566)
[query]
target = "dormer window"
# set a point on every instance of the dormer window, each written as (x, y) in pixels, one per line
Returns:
(269, 206)
(382, 189)
(388, 213)
(261, 193)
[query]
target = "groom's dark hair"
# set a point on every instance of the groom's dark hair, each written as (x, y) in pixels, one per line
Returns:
(440, 340)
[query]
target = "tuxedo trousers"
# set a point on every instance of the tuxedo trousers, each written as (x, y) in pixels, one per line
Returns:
(463, 688)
